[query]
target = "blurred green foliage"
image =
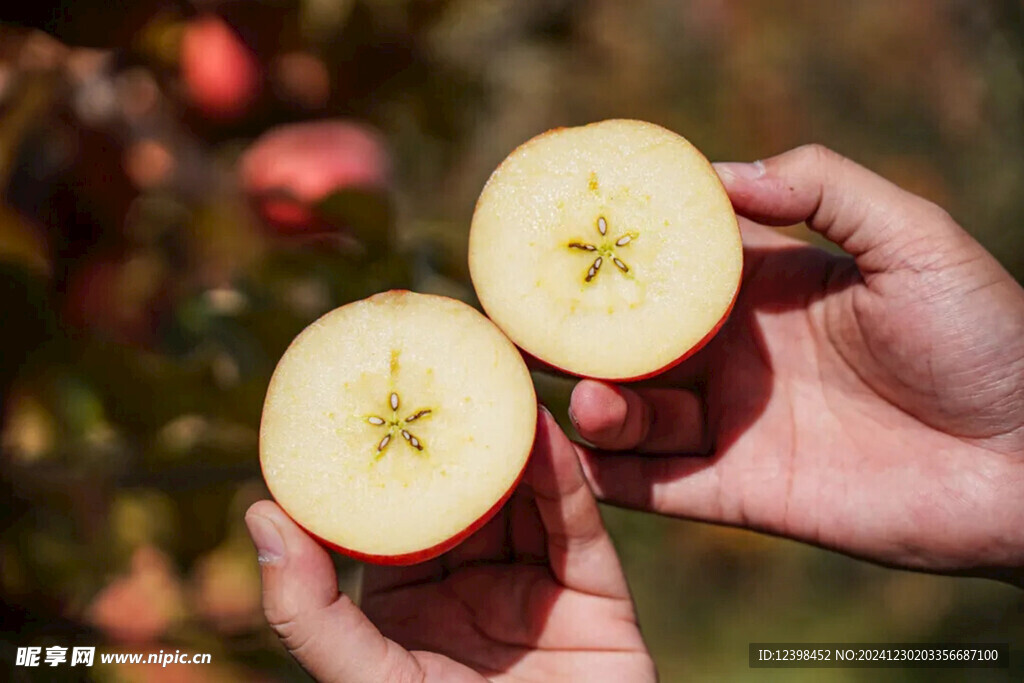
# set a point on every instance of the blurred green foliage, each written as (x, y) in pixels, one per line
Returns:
(146, 300)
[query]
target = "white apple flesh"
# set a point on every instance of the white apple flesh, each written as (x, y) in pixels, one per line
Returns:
(396, 426)
(608, 251)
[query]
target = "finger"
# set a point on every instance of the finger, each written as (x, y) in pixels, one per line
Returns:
(881, 225)
(758, 239)
(579, 549)
(681, 486)
(323, 629)
(647, 420)
(526, 527)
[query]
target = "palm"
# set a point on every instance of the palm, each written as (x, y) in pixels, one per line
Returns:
(494, 605)
(824, 396)
(826, 392)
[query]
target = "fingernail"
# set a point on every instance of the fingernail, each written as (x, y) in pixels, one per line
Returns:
(544, 409)
(266, 537)
(734, 169)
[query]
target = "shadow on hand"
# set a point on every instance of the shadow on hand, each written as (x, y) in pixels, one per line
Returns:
(735, 373)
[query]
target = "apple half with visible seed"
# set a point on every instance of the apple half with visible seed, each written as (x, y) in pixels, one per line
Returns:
(396, 426)
(609, 250)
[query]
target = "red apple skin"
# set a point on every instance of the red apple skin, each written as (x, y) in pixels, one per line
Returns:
(291, 168)
(430, 553)
(221, 74)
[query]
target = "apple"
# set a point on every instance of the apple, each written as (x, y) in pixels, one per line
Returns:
(291, 169)
(609, 250)
(396, 426)
(143, 604)
(221, 74)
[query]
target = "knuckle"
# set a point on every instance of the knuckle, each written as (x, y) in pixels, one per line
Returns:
(290, 626)
(933, 214)
(344, 604)
(291, 633)
(817, 154)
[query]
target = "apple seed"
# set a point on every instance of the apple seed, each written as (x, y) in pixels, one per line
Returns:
(606, 249)
(396, 425)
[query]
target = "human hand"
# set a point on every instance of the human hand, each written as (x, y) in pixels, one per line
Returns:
(536, 595)
(873, 405)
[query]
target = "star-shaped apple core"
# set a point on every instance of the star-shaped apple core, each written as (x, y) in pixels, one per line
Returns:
(396, 426)
(605, 249)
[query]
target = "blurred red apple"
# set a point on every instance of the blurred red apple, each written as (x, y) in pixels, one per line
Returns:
(221, 74)
(140, 606)
(289, 171)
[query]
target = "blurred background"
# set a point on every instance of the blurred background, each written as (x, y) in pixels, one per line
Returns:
(184, 187)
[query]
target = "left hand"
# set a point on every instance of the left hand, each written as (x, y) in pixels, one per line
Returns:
(538, 594)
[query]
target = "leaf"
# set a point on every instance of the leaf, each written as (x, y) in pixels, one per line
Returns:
(367, 214)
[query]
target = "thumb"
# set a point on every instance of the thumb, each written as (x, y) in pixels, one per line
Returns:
(322, 628)
(882, 226)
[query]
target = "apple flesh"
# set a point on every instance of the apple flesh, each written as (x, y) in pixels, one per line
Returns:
(396, 426)
(608, 251)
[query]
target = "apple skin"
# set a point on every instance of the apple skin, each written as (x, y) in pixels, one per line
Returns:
(430, 553)
(291, 168)
(221, 74)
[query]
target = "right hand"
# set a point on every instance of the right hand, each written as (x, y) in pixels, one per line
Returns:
(873, 405)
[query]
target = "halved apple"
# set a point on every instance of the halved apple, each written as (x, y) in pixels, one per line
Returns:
(609, 250)
(396, 426)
